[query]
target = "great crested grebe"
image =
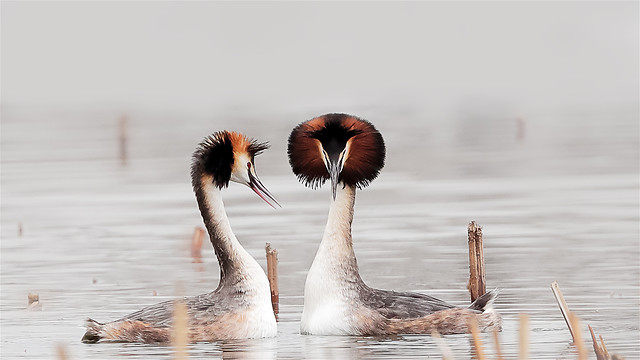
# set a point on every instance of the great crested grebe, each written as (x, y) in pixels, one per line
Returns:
(240, 307)
(350, 152)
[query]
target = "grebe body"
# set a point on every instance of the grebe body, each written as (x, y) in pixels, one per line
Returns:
(240, 307)
(350, 152)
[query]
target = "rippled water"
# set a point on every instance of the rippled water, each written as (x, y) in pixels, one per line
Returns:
(557, 195)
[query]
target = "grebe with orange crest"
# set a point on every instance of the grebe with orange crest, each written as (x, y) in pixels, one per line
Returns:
(240, 307)
(350, 152)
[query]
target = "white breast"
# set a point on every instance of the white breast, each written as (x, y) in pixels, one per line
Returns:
(326, 309)
(261, 320)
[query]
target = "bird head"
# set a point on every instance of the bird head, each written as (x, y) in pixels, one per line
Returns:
(337, 147)
(229, 156)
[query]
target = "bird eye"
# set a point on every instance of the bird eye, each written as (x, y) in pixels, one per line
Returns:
(249, 165)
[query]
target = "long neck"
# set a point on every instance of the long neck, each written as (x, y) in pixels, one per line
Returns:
(336, 248)
(233, 258)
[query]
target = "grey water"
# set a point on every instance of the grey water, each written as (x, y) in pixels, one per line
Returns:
(557, 193)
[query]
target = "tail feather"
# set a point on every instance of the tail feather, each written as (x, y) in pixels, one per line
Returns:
(93, 333)
(485, 302)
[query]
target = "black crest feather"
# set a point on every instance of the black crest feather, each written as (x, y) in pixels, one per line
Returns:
(213, 156)
(256, 148)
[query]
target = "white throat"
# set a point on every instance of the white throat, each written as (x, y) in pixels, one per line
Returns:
(333, 280)
(243, 265)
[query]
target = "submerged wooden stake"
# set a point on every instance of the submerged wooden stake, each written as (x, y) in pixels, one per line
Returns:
(122, 137)
(196, 244)
(564, 309)
(272, 274)
(477, 280)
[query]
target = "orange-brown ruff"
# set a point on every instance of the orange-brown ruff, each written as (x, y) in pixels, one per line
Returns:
(350, 151)
(240, 307)
(365, 155)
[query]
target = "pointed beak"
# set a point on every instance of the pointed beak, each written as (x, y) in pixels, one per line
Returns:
(335, 164)
(256, 185)
(334, 174)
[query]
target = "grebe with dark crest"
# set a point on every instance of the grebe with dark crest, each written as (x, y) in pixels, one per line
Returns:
(350, 152)
(240, 307)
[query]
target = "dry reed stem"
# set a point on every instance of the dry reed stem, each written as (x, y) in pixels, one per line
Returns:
(477, 342)
(601, 353)
(577, 340)
(496, 341)
(477, 278)
(180, 331)
(604, 347)
(196, 244)
(564, 309)
(61, 351)
(442, 345)
(272, 274)
(524, 337)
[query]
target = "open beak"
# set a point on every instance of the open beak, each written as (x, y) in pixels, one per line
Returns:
(258, 188)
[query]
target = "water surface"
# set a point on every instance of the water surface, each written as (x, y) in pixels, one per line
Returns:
(556, 193)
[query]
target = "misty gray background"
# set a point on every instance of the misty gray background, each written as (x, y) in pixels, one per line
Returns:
(200, 56)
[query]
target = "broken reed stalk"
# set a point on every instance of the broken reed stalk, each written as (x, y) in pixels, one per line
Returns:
(477, 280)
(34, 302)
(180, 331)
(33, 298)
(196, 244)
(272, 274)
(475, 335)
(577, 340)
(444, 348)
(600, 350)
(524, 337)
(496, 341)
(564, 309)
(122, 137)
